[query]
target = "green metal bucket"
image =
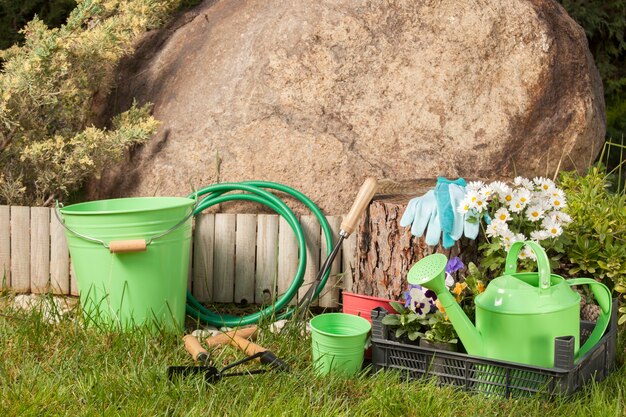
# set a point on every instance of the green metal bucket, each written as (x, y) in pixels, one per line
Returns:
(131, 259)
(338, 343)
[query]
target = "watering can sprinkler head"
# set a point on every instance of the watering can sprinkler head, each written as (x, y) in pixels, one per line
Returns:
(430, 272)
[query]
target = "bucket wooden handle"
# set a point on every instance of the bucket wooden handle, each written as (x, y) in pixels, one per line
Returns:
(127, 246)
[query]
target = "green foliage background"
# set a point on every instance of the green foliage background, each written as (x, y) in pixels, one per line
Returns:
(605, 25)
(14, 14)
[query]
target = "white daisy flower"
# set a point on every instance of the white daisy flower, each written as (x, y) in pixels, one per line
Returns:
(480, 204)
(496, 186)
(555, 230)
(520, 237)
(558, 202)
(523, 195)
(523, 182)
(516, 206)
(562, 218)
(506, 243)
(508, 238)
(523, 254)
(492, 230)
(486, 191)
(539, 235)
(557, 192)
(552, 227)
(471, 196)
(505, 193)
(464, 206)
(535, 213)
(544, 184)
(474, 186)
(527, 253)
(496, 228)
(502, 214)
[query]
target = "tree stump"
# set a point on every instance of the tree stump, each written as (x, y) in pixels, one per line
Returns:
(386, 251)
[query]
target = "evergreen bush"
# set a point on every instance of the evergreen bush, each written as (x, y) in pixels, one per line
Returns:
(48, 142)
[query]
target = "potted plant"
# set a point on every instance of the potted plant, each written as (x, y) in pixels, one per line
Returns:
(406, 325)
(423, 317)
(441, 334)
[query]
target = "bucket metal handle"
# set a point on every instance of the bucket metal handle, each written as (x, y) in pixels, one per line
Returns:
(124, 246)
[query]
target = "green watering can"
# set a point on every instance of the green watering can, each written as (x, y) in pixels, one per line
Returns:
(519, 315)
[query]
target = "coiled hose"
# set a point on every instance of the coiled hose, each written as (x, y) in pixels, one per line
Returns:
(256, 191)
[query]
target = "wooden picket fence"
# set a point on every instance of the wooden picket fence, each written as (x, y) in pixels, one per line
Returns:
(235, 258)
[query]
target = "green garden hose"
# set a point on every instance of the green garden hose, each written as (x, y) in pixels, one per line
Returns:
(255, 191)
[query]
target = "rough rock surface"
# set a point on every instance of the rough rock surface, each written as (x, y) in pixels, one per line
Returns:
(318, 95)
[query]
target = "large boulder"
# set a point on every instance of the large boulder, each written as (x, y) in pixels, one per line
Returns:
(320, 94)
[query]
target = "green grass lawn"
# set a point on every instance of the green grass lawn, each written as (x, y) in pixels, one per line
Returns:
(65, 369)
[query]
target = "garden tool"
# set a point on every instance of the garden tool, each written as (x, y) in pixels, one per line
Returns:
(363, 198)
(225, 338)
(212, 374)
(519, 315)
(264, 356)
(238, 339)
(258, 191)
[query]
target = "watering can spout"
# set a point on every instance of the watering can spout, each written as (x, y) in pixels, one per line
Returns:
(429, 272)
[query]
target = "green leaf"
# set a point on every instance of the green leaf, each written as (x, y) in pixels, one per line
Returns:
(397, 306)
(414, 335)
(412, 317)
(622, 320)
(473, 269)
(391, 320)
(400, 332)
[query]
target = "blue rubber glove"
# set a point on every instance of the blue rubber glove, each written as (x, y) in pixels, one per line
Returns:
(421, 212)
(449, 194)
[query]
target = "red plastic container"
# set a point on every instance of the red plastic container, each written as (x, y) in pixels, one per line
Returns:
(362, 305)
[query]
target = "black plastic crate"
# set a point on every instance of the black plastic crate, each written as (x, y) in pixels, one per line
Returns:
(493, 377)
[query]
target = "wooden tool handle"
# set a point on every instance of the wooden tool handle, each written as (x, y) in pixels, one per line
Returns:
(195, 349)
(245, 345)
(266, 357)
(127, 246)
(225, 338)
(363, 198)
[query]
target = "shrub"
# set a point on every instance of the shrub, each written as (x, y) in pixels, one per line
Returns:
(48, 142)
(598, 227)
(597, 230)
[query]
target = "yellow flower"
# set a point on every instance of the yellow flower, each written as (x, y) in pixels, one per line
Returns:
(459, 287)
(441, 309)
(480, 286)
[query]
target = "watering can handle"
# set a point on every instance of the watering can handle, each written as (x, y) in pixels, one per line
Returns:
(543, 264)
(603, 296)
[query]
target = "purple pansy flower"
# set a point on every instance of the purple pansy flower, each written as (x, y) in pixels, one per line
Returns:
(420, 300)
(454, 264)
